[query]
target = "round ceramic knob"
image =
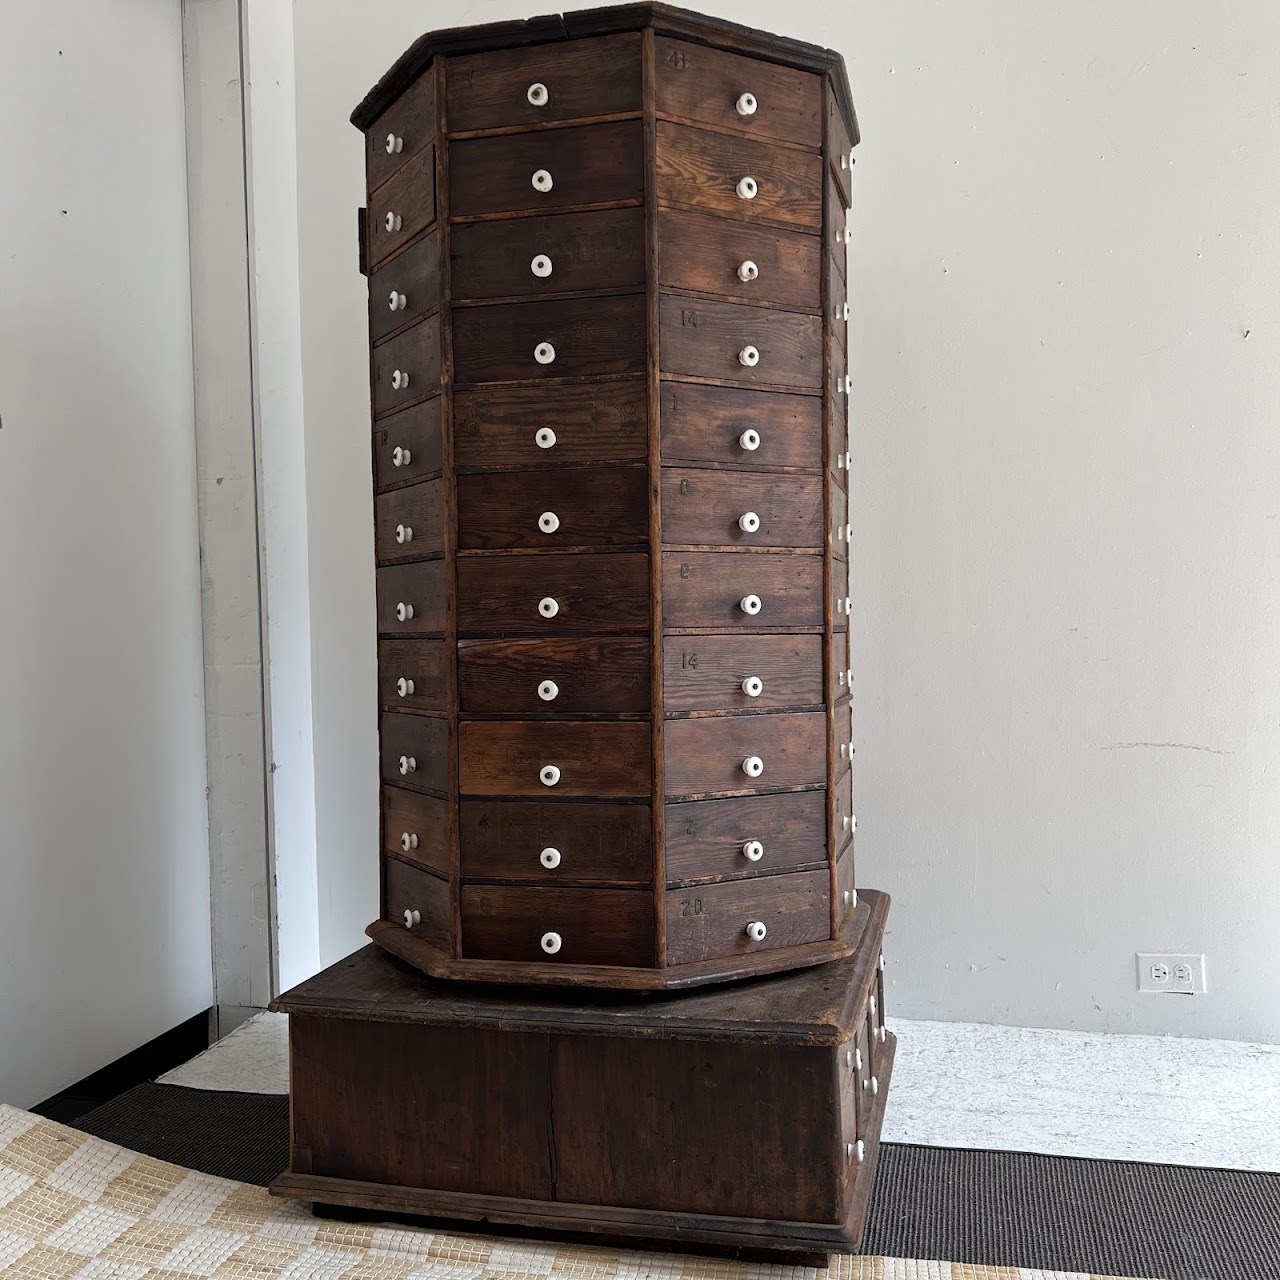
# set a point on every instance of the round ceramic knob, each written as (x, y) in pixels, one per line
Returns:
(848, 604)
(753, 766)
(544, 353)
(848, 675)
(412, 917)
(848, 1150)
(875, 1085)
(393, 222)
(548, 522)
(395, 145)
(398, 301)
(850, 157)
(840, 682)
(749, 356)
(541, 266)
(848, 460)
(408, 840)
(401, 457)
(548, 607)
(881, 966)
(844, 311)
(399, 379)
(839, 236)
(853, 817)
(750, 605)
(749, 522)
(538, 95)
(859, 1150)
(550, 858)
(848, 533)
(404, 533)
(753, 851)
(549, 775)
(544, 438)
(746, 105)
(747, 188)
(871, 1004)
(756, 931)
(753, 686)
(748, 271)
(408, 765)
(839, 462)
(848, 388)
(883, 1034)
(404, 687)
(404, 611)
(548, 691)
(541, 180)
(848, 898)
(551, 943)
(749, 440)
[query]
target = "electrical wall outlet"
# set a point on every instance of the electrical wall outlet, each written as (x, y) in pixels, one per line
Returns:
(1174, 975)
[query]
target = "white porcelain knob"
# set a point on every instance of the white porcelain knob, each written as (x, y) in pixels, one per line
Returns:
(839, 605)
(393, 222)
(548, 522)
(408, 765)
(544, 438)
(551, 943)
(541, 266)
(839, 462)
(848, 533)
(749, 356)
(848, 898)
(550, 858)
(748, 271)
(747, 188)
(848, 1150)
(749, 440)
(840, 682)
(404, 687)
(548, 607)
(749, 522)
(848, 675)
(881, 964)
(549, 775)
(753, 766)
(395, 145)
(848, 384)
(537, 94)
(753, 851)
(753, 686)
(848, 460)
(404, 533)
(541, 180)
(875, 1085)
(883, 1034)
(399, 379)
(848, 604)
(544, 353)
(746, 105)
(408, 840)
(839, 236)
(750, 605)
(859, 1150)
(401, 457)
(398, 301)
(871, 1004)
(404, 611)
(844, 311)
(756, 931)
(548, 691)
(412, 917)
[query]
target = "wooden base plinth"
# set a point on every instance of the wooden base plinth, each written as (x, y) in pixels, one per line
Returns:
(741, 1119)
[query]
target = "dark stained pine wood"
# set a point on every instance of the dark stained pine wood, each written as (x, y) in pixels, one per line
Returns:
(420, 663)
(426, 818)
(706, 673)
(417, 430)
(409, 523)
(705, 425)
(705, 508)
(505, 758)
(591, 674)
(410, 887)
(421, 740)
(411, 118)
(402, 207)
(704, 589)
(413, 276)
(416, 352)
(419, 587)
(705, 756)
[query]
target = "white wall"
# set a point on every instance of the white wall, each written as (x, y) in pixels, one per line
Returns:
(104, 871)
(1065, 494)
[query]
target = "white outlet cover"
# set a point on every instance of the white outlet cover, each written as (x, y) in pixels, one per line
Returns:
(1166, 973)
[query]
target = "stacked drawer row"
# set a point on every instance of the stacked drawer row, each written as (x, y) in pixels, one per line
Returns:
(569, 601)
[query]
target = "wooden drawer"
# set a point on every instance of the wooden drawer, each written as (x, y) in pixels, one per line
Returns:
(552, 510)
(551, 759)
(415, 751)
(707, 673)
(405, 289)
(694, 82)
(412, 674)
(560, 253)
(581, 79)
(709, 757)
(740, 508)
(424, 896)
(840, 459)
(409, 123)
(841, 668)
(407, 446)
(733, 343)
(707, 424)
(402, 207)
(591, 165)
(591, 593)
(839, 152)
(519, 341)
(840, 531)
(838, 237)
(702, 170)
(557, 926)
(704, 254)
(415, 827)
(842, 728)
(844, 884)
(844, 807)
(409, 523)
(407, 367)
(842, 603)
(711, 920)
(513, 677)
(518, 428)
(596, 843)
(706, 838)
(411, 599)
(709, 588)
(838, 321)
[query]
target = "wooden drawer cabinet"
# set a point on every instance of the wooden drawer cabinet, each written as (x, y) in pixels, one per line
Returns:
(734, 427)
(745, 673)
(741, 591)
(409, 523)
(407, 367)
(405, 289)
(750, 509)
(415, 828)
(736, 755)
(415, 751)
(566, 674)
(556, 759)
(407, 446)
(412, 674)
(402, 207)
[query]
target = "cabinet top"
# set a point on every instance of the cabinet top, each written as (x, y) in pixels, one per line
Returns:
(663, 18)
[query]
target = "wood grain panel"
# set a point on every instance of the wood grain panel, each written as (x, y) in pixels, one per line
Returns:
(403, 206)
(704, 757)
(706, 673)
(409, 523)
(412, 120)
(596, 674)
(840, 531)
(839, 150)
(409, 888)
(706, 508)
(409, 817)
(415, 432)
(415, 353)
(706, 589)
(505, 758)
(422, 742)
(416, 587)
(405, 289)
(706, 424)
(421, 665)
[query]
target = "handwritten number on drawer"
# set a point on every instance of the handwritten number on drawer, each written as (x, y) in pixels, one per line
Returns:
(691, 907)
(690, 660)
(684, 570)
(677, 60)
(689, 319)
(690, 827)
(685, 488)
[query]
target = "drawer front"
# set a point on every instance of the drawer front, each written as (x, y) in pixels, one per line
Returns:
(415, 827)
(551, 510)
(519, 428)
(581, 78)
(838, 237)
(840, 531)
(840, 457)
(740, 509)
(425, 897)
(751, 264)
(412, 674)
(409, 523)
(518, 341)
(844, 808)
(403, 206)
(409, 124)
(594, 164)
(561, 253)
(708, 673)
(415, 751)
(411, 599)
(733, 426)
(842, 729)
(694, 82)
(513, 677)
(839, 317)
(709, 757)
(407, 446)
(710, 589)
(551, 759)
(558, 925)
(707, 921)
(727, 341)
(839, 152)
(601, 843)
(697, 169)
(551, 595)
(407, 367)
(706, 839)
(842, 604)
(844, 884)
(840, 665)
(405, 289)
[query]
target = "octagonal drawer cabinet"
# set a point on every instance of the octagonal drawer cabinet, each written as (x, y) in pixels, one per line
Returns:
(607, 317)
